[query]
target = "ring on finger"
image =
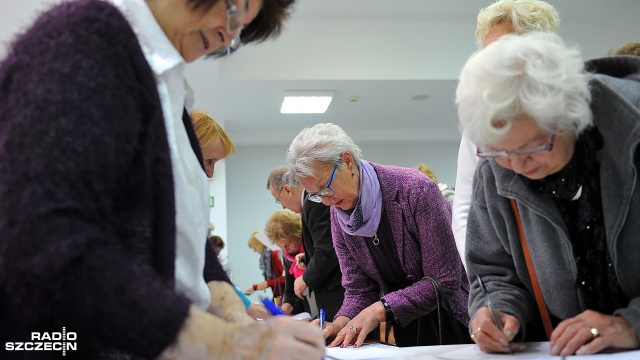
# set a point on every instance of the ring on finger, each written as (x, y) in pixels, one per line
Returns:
(353, 328)
(595, 332)
(473, 334)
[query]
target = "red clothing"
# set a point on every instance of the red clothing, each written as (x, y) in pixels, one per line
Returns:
(276, 284)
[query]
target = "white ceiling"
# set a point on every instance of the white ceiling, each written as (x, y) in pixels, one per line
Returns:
(383, 52)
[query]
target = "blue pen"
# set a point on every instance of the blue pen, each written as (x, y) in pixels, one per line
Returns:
(272, 307)
(322, 316)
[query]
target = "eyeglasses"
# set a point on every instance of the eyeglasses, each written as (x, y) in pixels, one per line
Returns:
(234, 27)
(278, 197)
(487, 153)
(326, 191)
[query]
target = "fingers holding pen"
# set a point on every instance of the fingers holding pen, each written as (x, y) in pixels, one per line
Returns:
(489, 338)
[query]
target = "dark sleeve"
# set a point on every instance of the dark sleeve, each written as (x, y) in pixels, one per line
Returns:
(289, 295)
(316, 227)
(213, 269)
(71, 120)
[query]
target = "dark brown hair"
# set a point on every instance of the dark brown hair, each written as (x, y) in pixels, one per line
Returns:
(269, 21)
(267, 24)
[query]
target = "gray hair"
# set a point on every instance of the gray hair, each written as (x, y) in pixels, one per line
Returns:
(525, 16)
(535, 75)
(279, 177)
(276, 178)
(320, 144)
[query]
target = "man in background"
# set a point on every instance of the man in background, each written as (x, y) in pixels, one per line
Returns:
(322, 275)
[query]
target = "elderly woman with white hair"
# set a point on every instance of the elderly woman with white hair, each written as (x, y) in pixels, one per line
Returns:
(391, 231)
(553, 227)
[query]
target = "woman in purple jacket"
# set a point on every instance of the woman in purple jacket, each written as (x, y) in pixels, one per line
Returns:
(391, 228)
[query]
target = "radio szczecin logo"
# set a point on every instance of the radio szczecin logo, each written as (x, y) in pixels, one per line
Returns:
(46, 341)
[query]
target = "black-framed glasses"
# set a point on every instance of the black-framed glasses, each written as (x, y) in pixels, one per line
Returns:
(326, 191)
(278, 197)
(488, 153)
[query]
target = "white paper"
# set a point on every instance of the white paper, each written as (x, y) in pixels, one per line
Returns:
(624, 355)
(262, 237)
(535, 350)
(302, 316)
(370, 351)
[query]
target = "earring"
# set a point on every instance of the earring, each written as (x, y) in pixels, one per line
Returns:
(353, 173)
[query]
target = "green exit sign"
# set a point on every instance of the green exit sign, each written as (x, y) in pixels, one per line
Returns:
(211, 201)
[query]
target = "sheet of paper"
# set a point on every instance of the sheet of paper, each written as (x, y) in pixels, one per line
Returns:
(623, 355)
(368, 352)
(262, 237)
(302, 316)
(536, 350)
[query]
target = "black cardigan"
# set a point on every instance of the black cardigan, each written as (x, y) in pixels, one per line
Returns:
(87, 211)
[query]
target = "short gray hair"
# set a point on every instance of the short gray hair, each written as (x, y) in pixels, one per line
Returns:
(279, 177)
(534, 75)
(320, 144)
(276, 178)
(525, 16)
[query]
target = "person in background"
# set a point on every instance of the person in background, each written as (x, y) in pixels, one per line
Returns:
(446, 191)
(122, 212)
(631, 48)
(561, 148)
(322, 275)
(214, 142)
(391, 228)
(271, 267)
(284, 228)
(497, 19)
(217, 243)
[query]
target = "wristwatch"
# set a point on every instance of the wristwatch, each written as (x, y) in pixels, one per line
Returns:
(388, 313)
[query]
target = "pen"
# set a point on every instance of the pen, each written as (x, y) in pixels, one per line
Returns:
(243, 297)
(496, 320)
(271, 307)
(322, 316)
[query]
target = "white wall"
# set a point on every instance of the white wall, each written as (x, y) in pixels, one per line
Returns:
(250, 204)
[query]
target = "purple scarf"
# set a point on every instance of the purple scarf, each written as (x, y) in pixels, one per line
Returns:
(365, 218)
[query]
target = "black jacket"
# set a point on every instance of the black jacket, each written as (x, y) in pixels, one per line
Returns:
(323, 275)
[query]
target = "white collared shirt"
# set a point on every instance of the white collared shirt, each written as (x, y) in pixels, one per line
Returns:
(191, 187)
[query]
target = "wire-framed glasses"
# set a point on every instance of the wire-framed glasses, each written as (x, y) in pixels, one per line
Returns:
(488, 153)
(278, 197)
(326, 191)
(234, 28)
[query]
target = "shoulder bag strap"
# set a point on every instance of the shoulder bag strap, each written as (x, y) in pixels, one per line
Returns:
(542, 307)
(443, 303)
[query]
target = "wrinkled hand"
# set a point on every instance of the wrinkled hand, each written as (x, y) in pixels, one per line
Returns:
(487, 335)
(286, 308)
(300, 261)
(575, 336)
(356, 330)
(258, 311)
(226, 304)
(329, 329)
(207, 336)
(298, 287)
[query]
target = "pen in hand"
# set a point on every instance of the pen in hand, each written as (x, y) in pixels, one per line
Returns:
(322, 317)
(488, 303)
(272, 307)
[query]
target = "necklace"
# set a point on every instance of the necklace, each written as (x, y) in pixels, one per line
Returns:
(376, 241)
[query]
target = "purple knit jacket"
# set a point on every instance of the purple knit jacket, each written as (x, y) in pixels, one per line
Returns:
(87, 214)
(420, 219)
